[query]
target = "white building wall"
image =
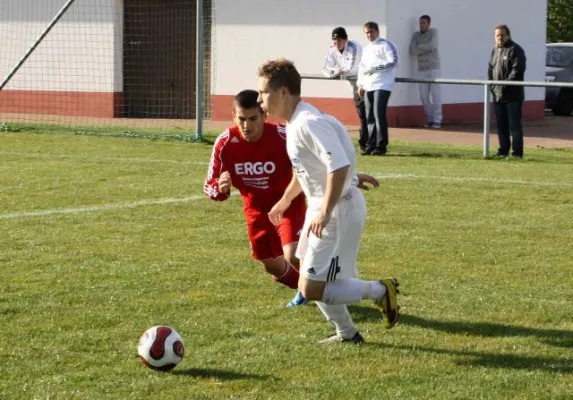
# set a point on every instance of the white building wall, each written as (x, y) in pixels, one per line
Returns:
(466, 39)
(79, 53)
(251, 31)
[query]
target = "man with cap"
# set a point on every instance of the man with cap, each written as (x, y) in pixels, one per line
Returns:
(342, 61)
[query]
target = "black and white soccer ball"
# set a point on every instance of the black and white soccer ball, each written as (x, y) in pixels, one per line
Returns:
(161, 348)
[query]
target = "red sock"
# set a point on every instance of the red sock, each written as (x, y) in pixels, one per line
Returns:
(289, 277)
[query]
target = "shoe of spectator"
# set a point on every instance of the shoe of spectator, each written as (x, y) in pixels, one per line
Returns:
(377, 152)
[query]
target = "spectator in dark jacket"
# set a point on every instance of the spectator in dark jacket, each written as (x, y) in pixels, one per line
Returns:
(507, 63)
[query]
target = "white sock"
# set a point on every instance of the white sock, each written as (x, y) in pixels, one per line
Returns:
(352, 290)
(339, 316)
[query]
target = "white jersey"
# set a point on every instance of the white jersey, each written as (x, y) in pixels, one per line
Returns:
(318, 144)
(347, 61)
(377, 69)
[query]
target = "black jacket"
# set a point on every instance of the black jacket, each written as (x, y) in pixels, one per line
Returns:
(507, 63)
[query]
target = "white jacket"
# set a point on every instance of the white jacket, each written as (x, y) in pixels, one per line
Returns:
(347, 61)
(377, 69)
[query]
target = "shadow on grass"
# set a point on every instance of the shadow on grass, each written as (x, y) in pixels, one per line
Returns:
(495, 360)
(363, 314)
(223, 375)
(553, 337)
(473, 156)
(425, 154)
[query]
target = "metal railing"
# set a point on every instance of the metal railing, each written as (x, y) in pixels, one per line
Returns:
(476, 82)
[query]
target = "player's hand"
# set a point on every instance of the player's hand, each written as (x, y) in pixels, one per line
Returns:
(276, 213)
(337, 72)
(224, 182)
(361, 92)
(318, 224)
(363, 179)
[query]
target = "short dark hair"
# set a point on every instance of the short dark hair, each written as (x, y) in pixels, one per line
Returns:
(372, 25)
(426, 17)
(504, 27)
(246, 99)
(339, 33)
(281, 73)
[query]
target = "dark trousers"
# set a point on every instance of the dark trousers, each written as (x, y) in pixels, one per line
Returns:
(509, 130)
(376, 102)
(361, 110)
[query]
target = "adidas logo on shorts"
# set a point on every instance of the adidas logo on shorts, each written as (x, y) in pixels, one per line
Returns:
(311, 271)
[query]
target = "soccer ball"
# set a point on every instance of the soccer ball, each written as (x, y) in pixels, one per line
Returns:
(161, 348)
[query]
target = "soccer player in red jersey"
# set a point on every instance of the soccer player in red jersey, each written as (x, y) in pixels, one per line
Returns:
(251, 156)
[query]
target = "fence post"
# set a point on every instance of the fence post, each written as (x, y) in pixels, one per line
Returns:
(486, 119)
(199, 71)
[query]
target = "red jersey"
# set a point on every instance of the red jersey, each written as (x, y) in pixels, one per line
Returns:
(261, 170)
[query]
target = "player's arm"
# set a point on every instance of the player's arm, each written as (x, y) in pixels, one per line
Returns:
(432, 44)
(333, 190)
(363, 179)
(389, 59)
(414, 45)
(328, 148)
(490, 66)
(355, 56)
(330, 69)
(291, 192)
(218, 183)
(517, 60)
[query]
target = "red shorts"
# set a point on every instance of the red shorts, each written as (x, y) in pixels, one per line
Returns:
(267, 240)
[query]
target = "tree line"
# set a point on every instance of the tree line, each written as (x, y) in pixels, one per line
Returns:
(559, 21)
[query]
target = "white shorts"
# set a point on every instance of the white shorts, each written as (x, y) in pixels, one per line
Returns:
(335, 255)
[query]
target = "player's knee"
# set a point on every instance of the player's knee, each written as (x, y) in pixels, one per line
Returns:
(292, 260)
(289, 252)
(273, 267)
(311, 290)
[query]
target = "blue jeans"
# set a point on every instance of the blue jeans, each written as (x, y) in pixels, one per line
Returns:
(376, 102)
(509, 129)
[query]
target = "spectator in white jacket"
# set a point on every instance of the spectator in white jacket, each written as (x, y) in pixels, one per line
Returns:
(424, 45)
(376, 76)
(342, 61)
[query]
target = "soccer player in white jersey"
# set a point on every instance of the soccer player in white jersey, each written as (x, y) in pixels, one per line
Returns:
(324, 163)
(342, 60)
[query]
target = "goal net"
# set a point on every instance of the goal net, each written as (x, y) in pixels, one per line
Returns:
(125, 64)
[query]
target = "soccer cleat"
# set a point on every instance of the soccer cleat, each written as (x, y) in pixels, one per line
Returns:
(436, 125)
(388, 303)
(378, 152)
(356, 339)
(298, 300)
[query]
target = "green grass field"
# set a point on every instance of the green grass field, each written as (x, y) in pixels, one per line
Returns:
(103, 237)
